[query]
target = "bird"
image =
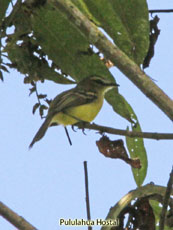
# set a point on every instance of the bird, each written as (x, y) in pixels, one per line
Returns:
(79, 104)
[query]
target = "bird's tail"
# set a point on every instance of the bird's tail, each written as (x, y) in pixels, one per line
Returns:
(42, 130)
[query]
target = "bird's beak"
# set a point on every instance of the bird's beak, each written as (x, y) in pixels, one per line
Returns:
(113, 84)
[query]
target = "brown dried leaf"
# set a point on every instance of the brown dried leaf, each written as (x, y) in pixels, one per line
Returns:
(115, 149)
(107, 62)
(145, 218)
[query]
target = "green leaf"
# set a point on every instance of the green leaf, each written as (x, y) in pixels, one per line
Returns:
(3, 7)
(137, 150)
(135, 145)
(65, 44)
(157, 211)
(23, 57)
(120, 105)
(126, 22)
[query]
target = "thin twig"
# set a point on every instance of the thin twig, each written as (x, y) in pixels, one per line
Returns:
(104, 129)
(166, 201)
(12, 3)
(68, 136)
(87, 194)
(16, 220)
(161, 11)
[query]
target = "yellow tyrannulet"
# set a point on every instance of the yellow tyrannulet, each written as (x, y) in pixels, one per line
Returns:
(81, 103)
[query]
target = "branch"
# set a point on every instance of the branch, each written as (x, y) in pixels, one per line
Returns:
(160, 11)
(166, 201)
(113, 53)
(104, 129)
(16, 220)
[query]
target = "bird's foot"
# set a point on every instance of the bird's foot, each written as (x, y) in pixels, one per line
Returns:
(80, 125)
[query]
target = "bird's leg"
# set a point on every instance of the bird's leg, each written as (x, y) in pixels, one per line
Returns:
(81, 125)
(79, 121)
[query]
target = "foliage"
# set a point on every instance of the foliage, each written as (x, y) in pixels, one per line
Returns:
(44, 44)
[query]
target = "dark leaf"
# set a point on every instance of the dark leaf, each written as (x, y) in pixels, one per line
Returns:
(41, 96)
(33, 89)
(41, 109)
(1, 76)
(32, 83)
(145, 218)
(48, 101)
(44, 107)
(35, 107)
(154, 34)
(27, 80)
(4, 68)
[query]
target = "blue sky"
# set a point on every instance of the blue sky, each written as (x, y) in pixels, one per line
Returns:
(47, 182)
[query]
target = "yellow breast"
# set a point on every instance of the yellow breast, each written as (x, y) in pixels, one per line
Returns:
(85, 112)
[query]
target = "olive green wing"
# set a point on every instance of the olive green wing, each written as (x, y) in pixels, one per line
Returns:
(70, 99)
